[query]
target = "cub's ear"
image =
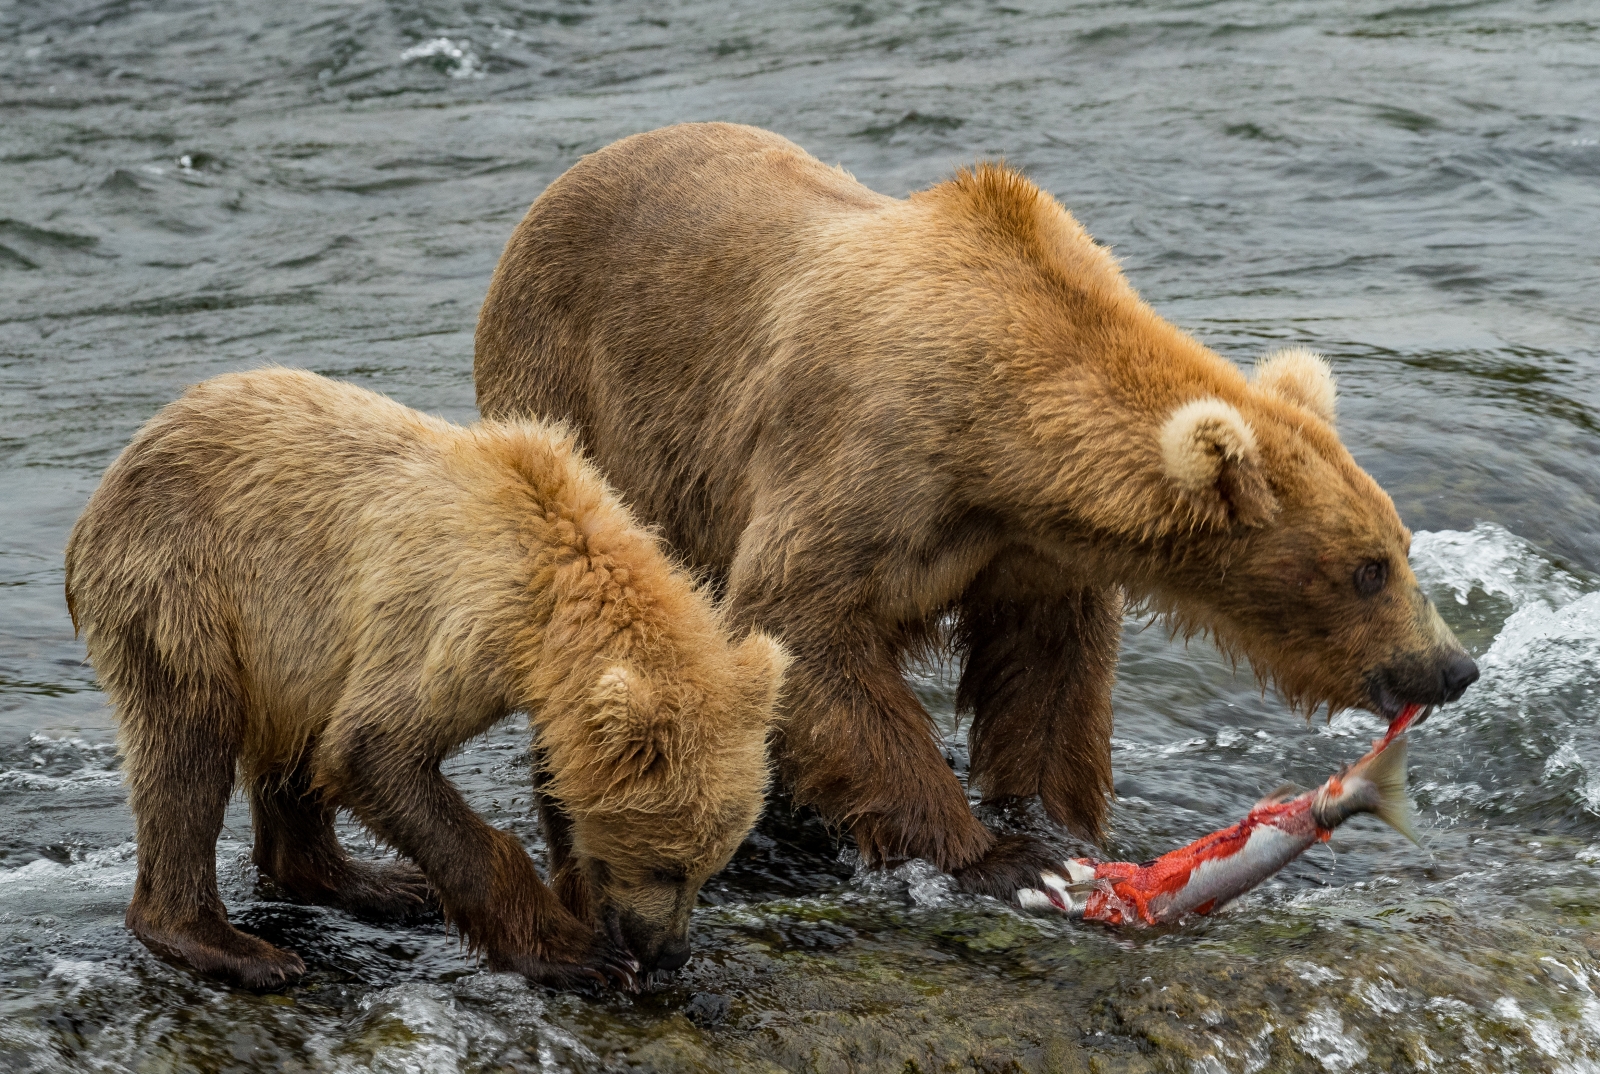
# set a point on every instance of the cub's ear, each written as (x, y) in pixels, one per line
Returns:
(1299, 376)
(1209, 451)
(624, 730)
(761, 661)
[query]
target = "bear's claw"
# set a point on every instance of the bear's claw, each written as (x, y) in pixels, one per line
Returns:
(601, 965)
(386, 891)
(1014, 862)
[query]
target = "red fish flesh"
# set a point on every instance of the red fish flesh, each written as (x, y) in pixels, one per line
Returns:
(1217, 868)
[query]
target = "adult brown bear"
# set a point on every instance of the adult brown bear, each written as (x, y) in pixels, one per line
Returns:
(861, 415)
(312, 589)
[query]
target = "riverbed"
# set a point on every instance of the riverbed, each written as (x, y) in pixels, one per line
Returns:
(1411, 189)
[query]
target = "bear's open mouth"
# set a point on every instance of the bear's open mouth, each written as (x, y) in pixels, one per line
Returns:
(1384, 700)
(1386, 703)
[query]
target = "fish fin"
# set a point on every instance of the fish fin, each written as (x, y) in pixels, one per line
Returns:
(1080, 870)
(1280, 794)
(1388, 774)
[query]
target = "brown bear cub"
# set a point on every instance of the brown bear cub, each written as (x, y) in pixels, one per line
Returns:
(866, 417)
(312, 589)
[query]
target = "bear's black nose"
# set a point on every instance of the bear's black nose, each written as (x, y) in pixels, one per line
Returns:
(1459, 674)
(673, 954)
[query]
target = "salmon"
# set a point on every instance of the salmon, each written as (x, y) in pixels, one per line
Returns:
(1217, 868)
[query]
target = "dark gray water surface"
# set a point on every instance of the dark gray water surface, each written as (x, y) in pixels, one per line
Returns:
(191, 188)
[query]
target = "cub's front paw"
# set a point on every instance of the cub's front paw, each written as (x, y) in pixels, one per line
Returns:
(600, 965)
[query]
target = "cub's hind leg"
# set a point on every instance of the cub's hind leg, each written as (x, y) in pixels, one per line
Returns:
(180, 737)
(297, 849)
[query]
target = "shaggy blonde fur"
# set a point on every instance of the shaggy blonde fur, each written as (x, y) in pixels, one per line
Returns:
(867, 416)
(336, 591)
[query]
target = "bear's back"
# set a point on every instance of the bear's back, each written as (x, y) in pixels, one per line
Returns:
(295, 526)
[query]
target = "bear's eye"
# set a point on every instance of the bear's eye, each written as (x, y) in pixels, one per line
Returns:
(1370, 577)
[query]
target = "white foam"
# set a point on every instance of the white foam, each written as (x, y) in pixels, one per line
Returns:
(436, 1040)
(97, 761)
(916, 879)
(443, 1034)
(21, 1039)
(1564, 641)
(1260, 1050)
(1324, 1038)
(1492, 560)
(1310, 971)
(925, 885)
(1575, 975)
(1545, 654)
(97, 869)
(23, 779)
(1382, 997)
(463, 62)
(79, 975)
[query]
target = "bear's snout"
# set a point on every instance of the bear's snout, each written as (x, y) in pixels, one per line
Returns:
(1426, 679)
(655, 942)
(657, 950)
(674, 953)
(1458, 674)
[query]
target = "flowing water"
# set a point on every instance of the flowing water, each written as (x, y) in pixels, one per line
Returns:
(188, 188)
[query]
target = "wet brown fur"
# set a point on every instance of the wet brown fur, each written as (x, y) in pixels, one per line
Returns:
(329, 592)
(861, 414)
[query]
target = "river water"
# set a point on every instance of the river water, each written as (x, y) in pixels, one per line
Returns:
(1413, 189)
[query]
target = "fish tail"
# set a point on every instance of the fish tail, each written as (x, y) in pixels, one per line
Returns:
(1388, 774)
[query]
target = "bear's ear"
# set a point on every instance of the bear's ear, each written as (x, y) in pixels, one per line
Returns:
(761, 662)
(629, 737)
(1209, 451)
(1299, 376)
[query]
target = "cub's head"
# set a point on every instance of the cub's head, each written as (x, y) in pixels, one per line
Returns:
(661, 782)
(1303, 559)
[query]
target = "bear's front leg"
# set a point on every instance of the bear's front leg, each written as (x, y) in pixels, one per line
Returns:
(1039, 666)
(856, 744)
(486, 883)
(859, 746)
(571, 885)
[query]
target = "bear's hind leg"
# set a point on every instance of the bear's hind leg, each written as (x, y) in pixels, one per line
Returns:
(297, 849)
(180, 738)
